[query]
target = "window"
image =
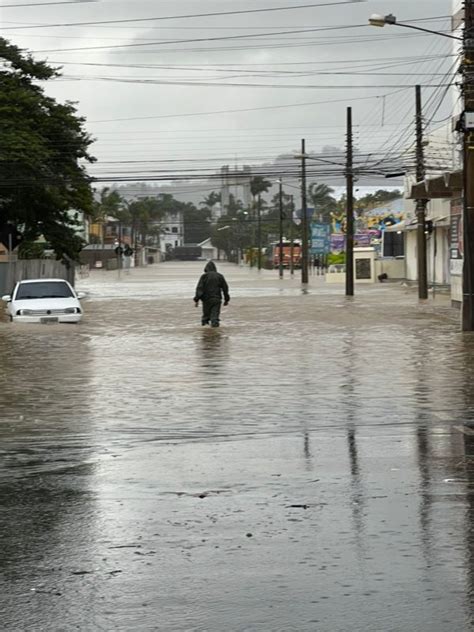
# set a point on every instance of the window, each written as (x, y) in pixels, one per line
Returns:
(393, 244)
(174, 229)
(47, 289)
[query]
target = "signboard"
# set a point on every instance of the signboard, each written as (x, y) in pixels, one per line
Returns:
(338, 243)
(363, 269)
(320, 239)
(363, 239)
(456, 238)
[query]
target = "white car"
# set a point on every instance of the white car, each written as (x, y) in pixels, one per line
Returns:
(44, 301)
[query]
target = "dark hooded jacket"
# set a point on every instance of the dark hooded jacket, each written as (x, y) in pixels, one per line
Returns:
(212, 285)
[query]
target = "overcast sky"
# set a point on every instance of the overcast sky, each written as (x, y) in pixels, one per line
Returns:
(317, 68)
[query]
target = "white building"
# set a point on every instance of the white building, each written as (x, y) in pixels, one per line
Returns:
(172, 232)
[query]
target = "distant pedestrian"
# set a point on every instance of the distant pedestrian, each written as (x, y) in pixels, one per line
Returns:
(212, 287)
(317, 264)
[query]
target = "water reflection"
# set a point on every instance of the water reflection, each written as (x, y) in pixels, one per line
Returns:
(45, 471)
(350, 388)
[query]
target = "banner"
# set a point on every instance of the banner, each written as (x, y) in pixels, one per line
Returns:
(320, 239)
(338, 243)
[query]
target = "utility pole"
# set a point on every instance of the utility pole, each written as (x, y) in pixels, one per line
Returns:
(468, 169)
(292, 243)
(304, 210)
(259, 232)
(349, 208)
(420, 204)
(280, 247)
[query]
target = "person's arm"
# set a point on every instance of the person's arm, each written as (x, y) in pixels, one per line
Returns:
(225, 290)
(200, 289)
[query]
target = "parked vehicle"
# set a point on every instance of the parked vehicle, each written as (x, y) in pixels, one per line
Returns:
(287, 254)
(44, 301)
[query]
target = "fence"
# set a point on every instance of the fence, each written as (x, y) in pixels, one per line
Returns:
(22, 269)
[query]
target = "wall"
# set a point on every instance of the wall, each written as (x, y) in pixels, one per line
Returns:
(33, 269)
(393, 268)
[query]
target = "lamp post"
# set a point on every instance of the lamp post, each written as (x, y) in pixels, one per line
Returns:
(468, 153)
(381, 20)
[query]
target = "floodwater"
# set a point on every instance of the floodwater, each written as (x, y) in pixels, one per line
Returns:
(306, 467)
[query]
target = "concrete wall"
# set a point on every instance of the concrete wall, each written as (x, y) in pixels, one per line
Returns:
(393, 268)
(33, 269)
(437, 254)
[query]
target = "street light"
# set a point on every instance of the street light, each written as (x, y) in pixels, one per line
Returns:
(381, 20)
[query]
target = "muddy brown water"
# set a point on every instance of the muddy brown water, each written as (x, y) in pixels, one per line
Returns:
(304, 467)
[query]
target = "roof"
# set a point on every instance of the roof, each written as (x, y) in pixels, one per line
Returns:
(396, 206)
(45, 280)
(449, 185)
(412, 224)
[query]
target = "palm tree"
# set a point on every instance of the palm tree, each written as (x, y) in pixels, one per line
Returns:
(211, 200)
(258, 185)
(321, 196)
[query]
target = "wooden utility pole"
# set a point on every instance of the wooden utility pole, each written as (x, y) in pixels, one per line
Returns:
(280, 246)
(292, 243)
(468, 170)
(420, 203)
(259, 232)
(304, 210)
(349, 208)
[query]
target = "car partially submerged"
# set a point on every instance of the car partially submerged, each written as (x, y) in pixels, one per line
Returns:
(44, 301)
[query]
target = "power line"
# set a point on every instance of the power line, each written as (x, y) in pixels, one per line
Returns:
(232, 111)
(188, 16)
(42, 4)
(198, 39)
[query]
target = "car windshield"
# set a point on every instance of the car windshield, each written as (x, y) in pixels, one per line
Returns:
(46, 289)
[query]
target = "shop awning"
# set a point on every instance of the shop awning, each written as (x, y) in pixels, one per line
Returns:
(406, 224)
(449, 185)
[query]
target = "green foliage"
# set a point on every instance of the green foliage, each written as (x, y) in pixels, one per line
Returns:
(110, 203)
(234, 207)
(232, 233)
(336, 258)
(379, 198)
(197, 223)
(42, 145)
(259, 184)
(31, 250)
(211, 200)
(321, 198)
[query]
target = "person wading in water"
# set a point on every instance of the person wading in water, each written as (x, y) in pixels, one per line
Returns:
(211, 288)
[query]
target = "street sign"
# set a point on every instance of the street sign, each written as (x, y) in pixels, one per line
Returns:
(320, 239)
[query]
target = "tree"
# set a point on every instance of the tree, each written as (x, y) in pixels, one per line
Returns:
(234, 207)
(211, 200)
(379, 198)
(110, 202)
(321, 196)
(259, 185)
(42, 145)
(143, 215)
(197, 223)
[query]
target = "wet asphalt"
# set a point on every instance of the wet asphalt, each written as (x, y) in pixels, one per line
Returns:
(305, 467)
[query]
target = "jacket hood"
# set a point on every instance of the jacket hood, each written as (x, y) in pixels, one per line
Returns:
(210, 267)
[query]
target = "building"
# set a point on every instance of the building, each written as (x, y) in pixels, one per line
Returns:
(171, 231)
(443, 193)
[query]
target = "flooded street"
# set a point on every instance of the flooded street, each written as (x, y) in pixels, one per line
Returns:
(305, 467)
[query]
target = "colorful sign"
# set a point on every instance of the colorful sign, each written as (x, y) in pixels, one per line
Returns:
(320, 239)
(338, 243)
